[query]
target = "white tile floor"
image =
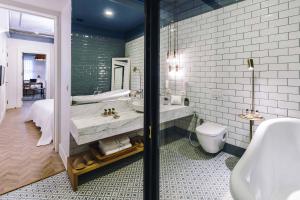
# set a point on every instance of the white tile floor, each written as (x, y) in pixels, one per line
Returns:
(186, 173)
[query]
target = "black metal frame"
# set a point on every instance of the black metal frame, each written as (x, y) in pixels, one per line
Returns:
(151, 100)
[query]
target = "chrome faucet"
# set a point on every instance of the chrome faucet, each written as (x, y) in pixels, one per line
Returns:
(141, 93)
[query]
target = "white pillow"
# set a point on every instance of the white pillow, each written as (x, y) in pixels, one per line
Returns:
(176, 100)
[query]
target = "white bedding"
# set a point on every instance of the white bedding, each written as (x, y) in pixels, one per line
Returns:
(42, 114)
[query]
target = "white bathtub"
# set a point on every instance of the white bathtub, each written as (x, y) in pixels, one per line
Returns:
(270, 167)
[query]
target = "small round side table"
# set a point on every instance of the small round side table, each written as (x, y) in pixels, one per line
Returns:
(252, 117)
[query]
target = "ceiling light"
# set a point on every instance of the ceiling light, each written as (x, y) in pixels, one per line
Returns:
(108, 13)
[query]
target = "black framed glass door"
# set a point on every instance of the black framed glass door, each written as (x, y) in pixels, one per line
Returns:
(151, 101)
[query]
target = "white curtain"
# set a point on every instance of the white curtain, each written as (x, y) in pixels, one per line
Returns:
(28, 69)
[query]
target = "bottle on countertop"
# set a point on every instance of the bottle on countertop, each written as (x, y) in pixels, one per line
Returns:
(186, 101)
(105, 112)
(166, 100)
(247, 111)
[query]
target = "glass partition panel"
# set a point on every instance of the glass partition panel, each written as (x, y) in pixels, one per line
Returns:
(106, 151)
(225, 69)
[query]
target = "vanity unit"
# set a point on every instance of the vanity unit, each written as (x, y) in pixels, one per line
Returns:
(89, 124)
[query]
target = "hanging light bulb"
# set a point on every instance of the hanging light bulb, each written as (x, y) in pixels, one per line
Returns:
(168, 57)
(169, 48)
(173, 57)
(250, 64)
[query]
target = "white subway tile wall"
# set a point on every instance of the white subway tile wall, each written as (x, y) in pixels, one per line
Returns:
(214, 48)
(135, 50)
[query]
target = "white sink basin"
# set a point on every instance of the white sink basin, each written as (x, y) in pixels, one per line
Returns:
(138, 105)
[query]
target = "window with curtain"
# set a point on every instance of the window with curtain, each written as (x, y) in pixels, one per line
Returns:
(28, 69)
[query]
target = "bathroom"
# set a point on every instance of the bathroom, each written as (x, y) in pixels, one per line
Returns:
(212, 73)
(228, 75)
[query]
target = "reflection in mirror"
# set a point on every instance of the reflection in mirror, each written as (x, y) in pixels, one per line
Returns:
(120, 73)
(100, 65)
(118, 77)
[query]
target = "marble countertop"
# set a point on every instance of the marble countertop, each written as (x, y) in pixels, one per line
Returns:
(88, 124)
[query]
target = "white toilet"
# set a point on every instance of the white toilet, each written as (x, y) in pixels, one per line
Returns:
(211, 136)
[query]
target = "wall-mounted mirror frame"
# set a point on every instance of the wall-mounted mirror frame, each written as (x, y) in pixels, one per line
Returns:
(120, 75)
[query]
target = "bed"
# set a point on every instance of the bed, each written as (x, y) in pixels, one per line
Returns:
(42, 114)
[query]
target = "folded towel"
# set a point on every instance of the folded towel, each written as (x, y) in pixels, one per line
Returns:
(116, 150)
(105, 148)
(108, 144)
(108, 149)
(123, 139)
(114, 144)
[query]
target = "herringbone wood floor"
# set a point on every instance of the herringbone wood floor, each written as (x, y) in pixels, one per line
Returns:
(21, 161)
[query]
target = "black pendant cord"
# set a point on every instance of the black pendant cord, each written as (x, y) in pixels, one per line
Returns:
(168, 54)
(151, 101)
(253, 93)
(170, 40)
(174, 39)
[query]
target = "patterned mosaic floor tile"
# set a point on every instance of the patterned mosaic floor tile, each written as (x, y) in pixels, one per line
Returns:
(187, 173)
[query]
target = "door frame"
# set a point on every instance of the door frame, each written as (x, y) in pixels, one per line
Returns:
(20, 72)
(124, 62)
(20, 7)
(152, 100)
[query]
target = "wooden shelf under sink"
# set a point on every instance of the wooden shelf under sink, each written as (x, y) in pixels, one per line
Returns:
(100, 161)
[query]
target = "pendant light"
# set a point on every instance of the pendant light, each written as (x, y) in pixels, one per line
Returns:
(173, 58)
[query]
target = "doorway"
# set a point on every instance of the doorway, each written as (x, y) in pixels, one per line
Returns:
(34, 77)
(28, 130)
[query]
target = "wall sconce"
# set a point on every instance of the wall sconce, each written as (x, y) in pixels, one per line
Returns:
(173, 56)
(138, 70)
(251, 68)
(253, 115)
(250, 64)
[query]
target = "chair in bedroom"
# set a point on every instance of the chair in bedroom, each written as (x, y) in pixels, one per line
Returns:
(40, 89)
(32, 88)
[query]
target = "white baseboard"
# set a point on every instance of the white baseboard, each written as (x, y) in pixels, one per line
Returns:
(63, 156)
(2, 115)
(1, 118)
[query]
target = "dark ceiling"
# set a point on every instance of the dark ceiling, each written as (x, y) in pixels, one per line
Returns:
(128, 16)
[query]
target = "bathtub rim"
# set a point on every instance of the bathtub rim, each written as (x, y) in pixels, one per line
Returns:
(238, 186)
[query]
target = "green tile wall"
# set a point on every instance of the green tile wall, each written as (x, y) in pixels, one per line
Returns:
(91, 62)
